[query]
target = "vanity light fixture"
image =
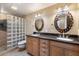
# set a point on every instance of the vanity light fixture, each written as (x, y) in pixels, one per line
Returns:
(37, 15)
(64, 10)
(14, 7)
(2, 10)
(59, 10)
(2, 13)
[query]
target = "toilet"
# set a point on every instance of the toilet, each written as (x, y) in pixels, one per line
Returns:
(22, 45)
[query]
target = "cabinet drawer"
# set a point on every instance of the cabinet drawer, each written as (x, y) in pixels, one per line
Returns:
(44, 46)
(44, 52)
(65, 45)
(42, 41)
(42, 49)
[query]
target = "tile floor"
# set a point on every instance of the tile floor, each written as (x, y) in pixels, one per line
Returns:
(15, 52)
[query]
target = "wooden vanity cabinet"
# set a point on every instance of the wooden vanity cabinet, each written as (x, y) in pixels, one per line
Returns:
(44, 47)
(33, 46)
(63, 49)
(37, 46)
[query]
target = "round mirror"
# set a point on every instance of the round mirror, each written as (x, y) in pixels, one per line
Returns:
(63, 22)
(39, 23)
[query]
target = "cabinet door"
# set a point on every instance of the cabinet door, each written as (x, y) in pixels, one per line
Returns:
(29, 45)
(71, 53)
(56, 51)
(35, 46)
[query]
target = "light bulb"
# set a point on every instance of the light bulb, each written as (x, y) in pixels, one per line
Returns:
(39, 15)
(14, 7)
(36, 16)
(59, 10)
(66, 8)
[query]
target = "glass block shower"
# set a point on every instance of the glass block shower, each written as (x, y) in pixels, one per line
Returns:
(12, 31)
(15, 30)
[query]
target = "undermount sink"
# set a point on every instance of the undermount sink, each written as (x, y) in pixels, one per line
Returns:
(35, 34)
(65, 39)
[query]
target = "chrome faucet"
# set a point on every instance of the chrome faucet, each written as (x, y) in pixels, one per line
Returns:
(63, 35)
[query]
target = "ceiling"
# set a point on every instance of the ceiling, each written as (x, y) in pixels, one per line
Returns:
(23, 8)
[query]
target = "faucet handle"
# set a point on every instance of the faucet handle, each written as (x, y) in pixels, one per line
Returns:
(60, 35)
(67, 36)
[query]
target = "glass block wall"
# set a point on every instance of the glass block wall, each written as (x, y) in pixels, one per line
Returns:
(15, 30)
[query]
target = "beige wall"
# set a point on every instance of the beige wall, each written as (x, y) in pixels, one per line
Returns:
(2, 16)
(48, 14)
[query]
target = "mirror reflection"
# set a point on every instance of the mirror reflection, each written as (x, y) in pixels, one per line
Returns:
(39, 24)
(62, 22)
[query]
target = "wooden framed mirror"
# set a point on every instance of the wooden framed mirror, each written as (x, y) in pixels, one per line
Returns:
(39, 24)
(63, 22)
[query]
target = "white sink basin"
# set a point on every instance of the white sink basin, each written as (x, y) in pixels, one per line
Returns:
(35, 35)
(64, 39)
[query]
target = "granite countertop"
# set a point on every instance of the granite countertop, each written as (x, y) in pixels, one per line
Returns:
(72, 40)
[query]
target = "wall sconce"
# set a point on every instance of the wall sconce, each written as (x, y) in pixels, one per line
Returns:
(2, 13)
(64, 10)
(37, 15)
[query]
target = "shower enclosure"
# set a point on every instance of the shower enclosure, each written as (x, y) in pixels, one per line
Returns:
(12, 31)
(3, 35)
